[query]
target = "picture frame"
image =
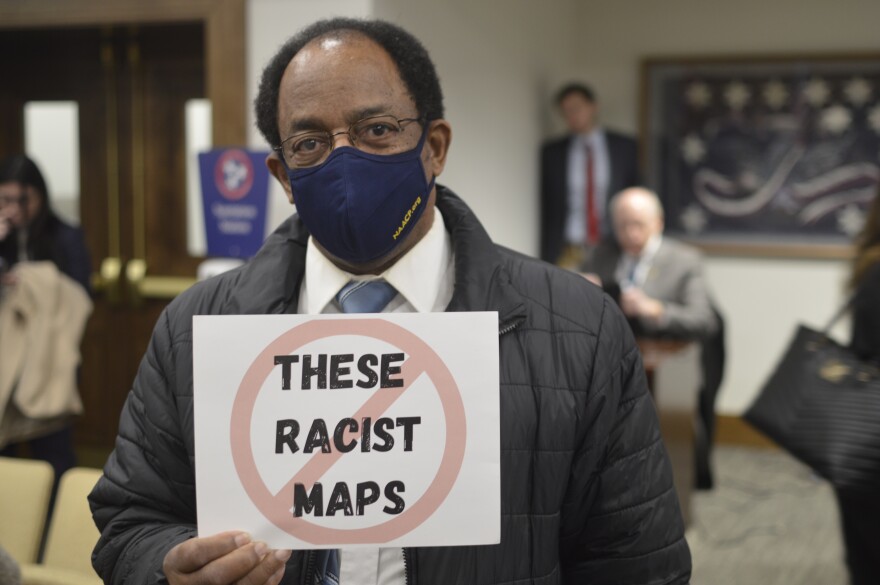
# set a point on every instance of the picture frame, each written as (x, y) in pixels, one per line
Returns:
(763, 155)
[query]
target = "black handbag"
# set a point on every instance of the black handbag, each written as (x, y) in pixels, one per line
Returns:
(822, 404)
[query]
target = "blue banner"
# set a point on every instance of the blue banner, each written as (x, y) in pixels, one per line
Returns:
(235, 186)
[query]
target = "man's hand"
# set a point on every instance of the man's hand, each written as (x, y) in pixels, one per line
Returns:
(635, 303)
(224, 559)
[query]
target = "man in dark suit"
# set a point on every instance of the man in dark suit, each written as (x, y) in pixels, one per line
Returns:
(579, 173)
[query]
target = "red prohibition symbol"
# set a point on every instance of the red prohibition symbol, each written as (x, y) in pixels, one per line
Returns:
(422, 360)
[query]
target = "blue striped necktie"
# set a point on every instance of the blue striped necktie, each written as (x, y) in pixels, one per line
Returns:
(365, 296)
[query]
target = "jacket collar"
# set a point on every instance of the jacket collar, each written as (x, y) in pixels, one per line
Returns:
(270, 282)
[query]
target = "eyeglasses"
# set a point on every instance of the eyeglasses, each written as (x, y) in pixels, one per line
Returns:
(375, 134)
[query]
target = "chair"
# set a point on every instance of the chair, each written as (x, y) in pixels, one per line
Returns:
(72, 535)
(25, 489)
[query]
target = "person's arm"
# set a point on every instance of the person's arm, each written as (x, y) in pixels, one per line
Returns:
(689, 313)
(545, 201)
(553, 199)
(74, 257)
(622, 523)
(145, 504)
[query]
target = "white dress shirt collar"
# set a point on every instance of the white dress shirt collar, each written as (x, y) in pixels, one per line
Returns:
(594, 138)
(423, 276)
(651, 248)
(633, 270)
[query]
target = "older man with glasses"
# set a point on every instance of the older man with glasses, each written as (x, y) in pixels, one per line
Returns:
(355, 113)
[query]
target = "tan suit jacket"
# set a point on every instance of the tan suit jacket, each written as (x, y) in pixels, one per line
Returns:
(676, 279)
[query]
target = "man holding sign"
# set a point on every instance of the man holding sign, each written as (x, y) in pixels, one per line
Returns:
(354, 112)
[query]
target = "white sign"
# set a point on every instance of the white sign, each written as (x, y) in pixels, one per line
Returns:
(346, 430)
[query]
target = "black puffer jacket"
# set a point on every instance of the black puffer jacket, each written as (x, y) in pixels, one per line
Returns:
(586, 494)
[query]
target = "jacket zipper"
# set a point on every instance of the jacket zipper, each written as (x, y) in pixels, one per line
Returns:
(310, 567)
(408, 554)
(409, 577)
(408, 570)
(502, 330)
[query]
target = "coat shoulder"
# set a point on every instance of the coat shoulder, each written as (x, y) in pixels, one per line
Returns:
(620, 138)
(556, 298)
(555, 145)
(681, 251)
(206, 297)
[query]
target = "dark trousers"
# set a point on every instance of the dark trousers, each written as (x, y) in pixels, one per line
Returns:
(860, 521)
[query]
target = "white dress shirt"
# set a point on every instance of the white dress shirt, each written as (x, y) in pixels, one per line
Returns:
(424, 278)
(576, 222)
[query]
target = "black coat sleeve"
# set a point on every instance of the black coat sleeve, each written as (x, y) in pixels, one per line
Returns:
(623, 524)
(145, 502)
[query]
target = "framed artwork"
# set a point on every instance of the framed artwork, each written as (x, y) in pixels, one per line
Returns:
(772, 156)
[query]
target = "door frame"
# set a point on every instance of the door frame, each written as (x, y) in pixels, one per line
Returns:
(224, 22)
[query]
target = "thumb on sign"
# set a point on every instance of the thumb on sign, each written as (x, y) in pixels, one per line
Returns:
(224, 558)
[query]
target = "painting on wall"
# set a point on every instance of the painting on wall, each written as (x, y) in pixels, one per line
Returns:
(765, 156)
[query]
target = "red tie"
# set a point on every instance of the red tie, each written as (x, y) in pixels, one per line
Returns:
(592, 215)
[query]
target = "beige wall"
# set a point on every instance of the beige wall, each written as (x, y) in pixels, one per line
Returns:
(614, 35)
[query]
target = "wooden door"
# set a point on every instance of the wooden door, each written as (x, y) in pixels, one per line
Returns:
(131, 84)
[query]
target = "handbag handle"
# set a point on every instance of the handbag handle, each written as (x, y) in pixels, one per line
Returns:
(839, 314)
